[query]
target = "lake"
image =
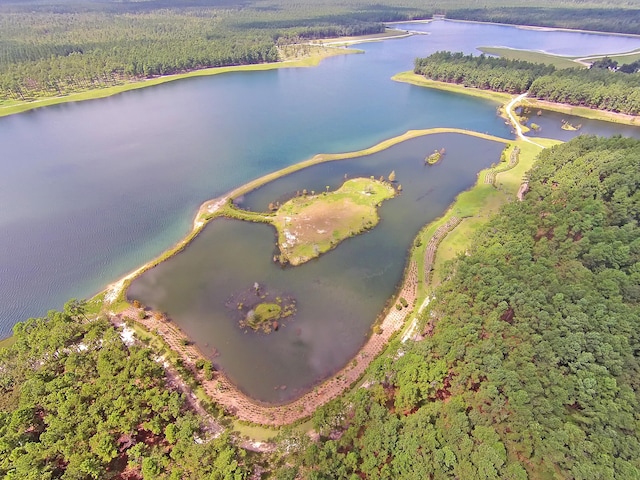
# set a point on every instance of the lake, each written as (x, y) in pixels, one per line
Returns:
(91, 190)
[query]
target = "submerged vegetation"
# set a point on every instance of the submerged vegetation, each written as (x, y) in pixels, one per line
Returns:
(259, 309)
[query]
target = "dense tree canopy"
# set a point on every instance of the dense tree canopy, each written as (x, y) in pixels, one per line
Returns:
(599, 88)
(76, 403)
(530, 367)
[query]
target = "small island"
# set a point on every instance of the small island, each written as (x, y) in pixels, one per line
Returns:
(435, 157)
(260, 310)
(310, 225)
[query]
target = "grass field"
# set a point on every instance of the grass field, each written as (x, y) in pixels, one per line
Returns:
(481, 202)
(531, 56)
(628, 57)
(7, 342)
(420, 81)
(309, 226)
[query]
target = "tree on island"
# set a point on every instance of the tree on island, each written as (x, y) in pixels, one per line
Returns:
(392, 176)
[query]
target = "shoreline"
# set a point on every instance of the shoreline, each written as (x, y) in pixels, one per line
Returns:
(584, 112)
(221, 389)
(210, 209)
(97, 93)
(523, 27)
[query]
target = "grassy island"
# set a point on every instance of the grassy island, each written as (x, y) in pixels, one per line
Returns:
(435, 157)
(311, 225)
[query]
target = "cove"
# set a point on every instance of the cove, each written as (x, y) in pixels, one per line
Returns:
(338, 295)
(91, 190)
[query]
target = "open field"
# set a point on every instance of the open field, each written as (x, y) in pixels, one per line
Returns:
(388, 34)
(621, 58)
(309, 226)
(531, 56)
(7, 342)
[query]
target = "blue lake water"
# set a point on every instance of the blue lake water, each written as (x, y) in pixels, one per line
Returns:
(91, 190)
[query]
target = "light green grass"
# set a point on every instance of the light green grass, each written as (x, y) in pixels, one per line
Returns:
(9, 107)
(255, 432)
(7, 342)
(534, 57)
(309, 226)
(419, 80)
(622, 59)
(481, 202)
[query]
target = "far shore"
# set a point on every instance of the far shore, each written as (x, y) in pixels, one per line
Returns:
(310, 61)
(524, 27)
(593, 114)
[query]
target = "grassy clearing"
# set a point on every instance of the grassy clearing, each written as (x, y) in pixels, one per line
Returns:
(309, 57)
(387, 34)
(478, 204)
(534, 57)
(309, 226)
(419, 80)
(7, 342)
(254, 432)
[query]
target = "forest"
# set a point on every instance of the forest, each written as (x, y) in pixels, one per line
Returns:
(529, 363)
(598, 88)
(56, 47)
(77, 403)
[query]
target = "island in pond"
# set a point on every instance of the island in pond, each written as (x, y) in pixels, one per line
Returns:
(310, 225)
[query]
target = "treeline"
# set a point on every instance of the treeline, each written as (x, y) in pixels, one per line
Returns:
(77, 403)
(489, 73)
(610, 18)
(48, 56)
(529, 364)
(55, 47)
(595, 88)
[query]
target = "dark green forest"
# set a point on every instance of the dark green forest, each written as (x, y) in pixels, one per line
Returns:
(56, 47)
(598, 88)
(529, 363)
(76, 403)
